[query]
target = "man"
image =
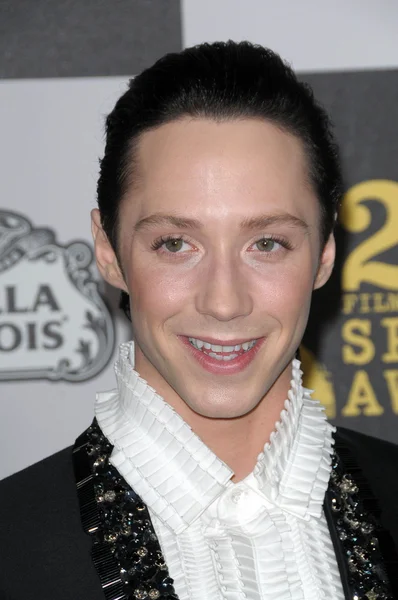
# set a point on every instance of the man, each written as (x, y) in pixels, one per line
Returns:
(210, 473)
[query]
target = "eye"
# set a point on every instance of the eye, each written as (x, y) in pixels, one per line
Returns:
(267, 245)
(173, 245)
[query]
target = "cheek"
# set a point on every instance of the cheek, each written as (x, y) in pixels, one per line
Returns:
(160, 291)
(285, 291)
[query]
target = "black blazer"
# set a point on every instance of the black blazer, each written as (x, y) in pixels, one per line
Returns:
(45, 555)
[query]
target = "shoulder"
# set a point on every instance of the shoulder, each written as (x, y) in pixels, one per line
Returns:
(377, 458)
(54, 469)
(41, 535)
(367, 448)
(47, 488)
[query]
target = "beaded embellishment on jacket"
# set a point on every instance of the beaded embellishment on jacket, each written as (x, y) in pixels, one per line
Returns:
(128, 558)
(352, 515)
(126, 551)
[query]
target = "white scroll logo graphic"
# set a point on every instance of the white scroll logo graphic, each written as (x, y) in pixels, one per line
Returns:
(53, 321)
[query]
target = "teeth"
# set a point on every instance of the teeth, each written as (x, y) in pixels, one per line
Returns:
(230, 357)
(201, 345)
(223, 358)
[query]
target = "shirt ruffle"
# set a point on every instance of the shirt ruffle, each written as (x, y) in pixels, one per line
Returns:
(156, 452)
(275, 544)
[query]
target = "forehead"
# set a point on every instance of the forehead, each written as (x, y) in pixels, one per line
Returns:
(236, 166)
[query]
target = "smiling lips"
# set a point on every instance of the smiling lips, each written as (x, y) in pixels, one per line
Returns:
(228, 358)
(221, 352)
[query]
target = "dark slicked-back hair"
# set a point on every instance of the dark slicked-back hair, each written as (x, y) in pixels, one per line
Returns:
(219, 81)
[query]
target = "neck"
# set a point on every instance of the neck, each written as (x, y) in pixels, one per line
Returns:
(237, 441)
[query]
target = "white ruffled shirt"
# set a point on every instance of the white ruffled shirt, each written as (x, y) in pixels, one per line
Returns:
(263, 538)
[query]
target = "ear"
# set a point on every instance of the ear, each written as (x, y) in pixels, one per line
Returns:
(326, 263)
(105, 256)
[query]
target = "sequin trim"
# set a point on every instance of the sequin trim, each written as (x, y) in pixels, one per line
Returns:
(126, 552)
(352, 514)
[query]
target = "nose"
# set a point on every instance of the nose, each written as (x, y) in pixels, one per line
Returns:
(224, 292)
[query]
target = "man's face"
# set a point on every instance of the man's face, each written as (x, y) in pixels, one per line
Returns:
(220, 245)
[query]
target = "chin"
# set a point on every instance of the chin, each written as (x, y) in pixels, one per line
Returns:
(216, 408)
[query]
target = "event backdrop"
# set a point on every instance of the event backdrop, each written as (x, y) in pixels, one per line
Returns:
(353, 328)
(63, 65)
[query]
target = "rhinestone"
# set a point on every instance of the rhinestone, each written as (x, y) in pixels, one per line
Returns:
(142, 551)
(110, 537)
(149, 536)
(352, 564)
(126, 530)
(140, 594)
(347, 485)
(353, 523)
(360, 552)
(110, 495)
(130, 494)
(153, 594)
(367, 528)
(99, 460)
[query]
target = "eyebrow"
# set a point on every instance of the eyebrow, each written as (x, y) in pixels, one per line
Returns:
(161, 219)
(264, 221)
(249, 224)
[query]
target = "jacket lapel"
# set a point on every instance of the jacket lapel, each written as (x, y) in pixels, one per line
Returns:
(125, 551)
(364, 550)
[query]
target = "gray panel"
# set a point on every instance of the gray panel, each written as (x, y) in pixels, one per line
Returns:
(363, 106)
(364, 109)
(77, 38)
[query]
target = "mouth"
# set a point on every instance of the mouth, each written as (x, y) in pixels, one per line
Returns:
(223, 357)
(222, 352)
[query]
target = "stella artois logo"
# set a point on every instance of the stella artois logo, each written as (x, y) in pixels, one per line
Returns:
(53, 321)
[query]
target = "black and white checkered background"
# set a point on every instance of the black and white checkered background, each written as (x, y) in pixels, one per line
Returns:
(63, 63)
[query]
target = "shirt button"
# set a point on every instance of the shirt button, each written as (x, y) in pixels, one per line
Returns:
(236, 496)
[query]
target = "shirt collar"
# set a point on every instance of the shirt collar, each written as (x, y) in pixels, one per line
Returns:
(178, 476)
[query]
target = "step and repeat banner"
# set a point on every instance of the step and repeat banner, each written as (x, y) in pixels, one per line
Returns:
(59, 324)
(350, 352)
(63, 65)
